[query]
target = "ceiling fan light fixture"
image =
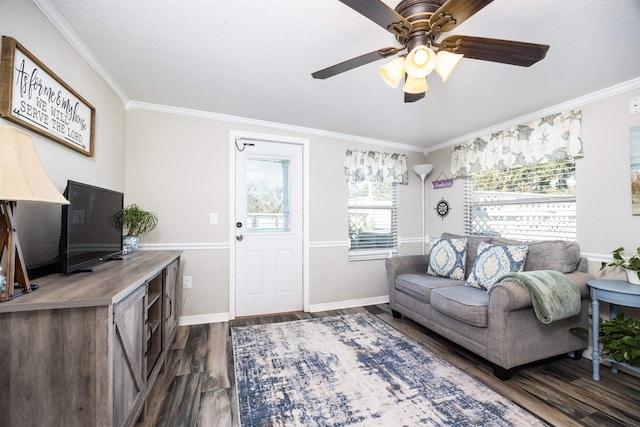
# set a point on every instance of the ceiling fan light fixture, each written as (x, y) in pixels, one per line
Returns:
(415, 85)
(393, 72)
(420, 61)
(446, 62)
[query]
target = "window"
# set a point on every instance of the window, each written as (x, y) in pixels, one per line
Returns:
(534, 202)
(372, 219)
(268, 195)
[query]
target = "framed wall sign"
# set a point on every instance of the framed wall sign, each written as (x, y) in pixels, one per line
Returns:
(32, 96)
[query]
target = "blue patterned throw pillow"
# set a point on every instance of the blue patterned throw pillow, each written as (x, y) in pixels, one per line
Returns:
(447, 258)
(493, 261)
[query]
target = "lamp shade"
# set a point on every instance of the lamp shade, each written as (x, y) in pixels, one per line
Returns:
(423, 170)
(415, 85)
(393, 72)
(446, 62)
(22, 176)
(420, 61)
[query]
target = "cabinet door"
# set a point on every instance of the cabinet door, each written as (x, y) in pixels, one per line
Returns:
(129, 372)
(172, 295)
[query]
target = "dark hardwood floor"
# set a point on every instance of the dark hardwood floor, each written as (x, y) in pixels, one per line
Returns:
(196, 387)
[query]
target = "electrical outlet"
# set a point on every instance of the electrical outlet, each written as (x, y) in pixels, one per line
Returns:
(186, 282)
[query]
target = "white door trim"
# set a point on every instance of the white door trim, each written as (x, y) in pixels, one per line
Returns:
(233, 135)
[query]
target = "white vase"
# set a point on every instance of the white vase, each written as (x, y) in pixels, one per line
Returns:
(632, 277)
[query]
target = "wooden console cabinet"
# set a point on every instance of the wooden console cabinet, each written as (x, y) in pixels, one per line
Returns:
(85, 349)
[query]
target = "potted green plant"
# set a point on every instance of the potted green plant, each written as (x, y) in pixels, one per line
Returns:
(134, 221)
(620, 339)
(629, 262)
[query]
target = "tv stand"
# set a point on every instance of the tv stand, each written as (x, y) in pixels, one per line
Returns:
(88, 349)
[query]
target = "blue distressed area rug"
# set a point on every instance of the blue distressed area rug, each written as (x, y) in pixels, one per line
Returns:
(355, 370)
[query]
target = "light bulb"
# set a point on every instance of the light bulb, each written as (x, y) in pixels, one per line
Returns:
(421, 57)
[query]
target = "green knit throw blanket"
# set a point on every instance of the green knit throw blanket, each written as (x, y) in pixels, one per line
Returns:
(553, 294)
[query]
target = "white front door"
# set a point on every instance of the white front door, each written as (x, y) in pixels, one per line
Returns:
(268, 228)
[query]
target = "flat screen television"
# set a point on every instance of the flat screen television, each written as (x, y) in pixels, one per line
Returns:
(87, 236)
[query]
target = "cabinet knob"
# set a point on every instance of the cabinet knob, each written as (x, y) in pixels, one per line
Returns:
(239, 237)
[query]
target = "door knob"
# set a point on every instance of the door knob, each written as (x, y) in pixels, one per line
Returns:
(239, 237)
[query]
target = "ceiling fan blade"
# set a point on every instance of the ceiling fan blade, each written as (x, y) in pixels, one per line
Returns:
(496, 50)
(347, 65)
(413, 97)
(459, 10)
(381, 14)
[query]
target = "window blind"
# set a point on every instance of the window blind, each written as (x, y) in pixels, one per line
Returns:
(372, 219)
(534, 202)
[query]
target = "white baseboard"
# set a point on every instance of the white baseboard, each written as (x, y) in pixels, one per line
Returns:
(338, 305)
(199, 319)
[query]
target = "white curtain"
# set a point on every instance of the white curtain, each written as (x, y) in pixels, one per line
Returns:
(375, 166)
(548, 139)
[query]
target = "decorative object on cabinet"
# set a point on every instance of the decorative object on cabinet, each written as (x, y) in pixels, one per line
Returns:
(629, 262)
(442, 182)
(32, 96)
(134, 221)
(442, 208)
(634, 142)
(423, 170)
(22, 178)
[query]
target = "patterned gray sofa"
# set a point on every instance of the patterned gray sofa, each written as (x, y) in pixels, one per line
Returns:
(500, 324)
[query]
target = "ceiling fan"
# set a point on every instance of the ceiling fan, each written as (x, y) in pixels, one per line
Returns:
(417, 26)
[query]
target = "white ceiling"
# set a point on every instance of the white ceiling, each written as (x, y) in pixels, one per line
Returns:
(254, 59)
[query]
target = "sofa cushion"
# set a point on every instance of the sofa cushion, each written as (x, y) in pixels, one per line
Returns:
(464, 303)
(419, 286)
(447, 258)
(472, 246)
(559, 255)
(493, 261)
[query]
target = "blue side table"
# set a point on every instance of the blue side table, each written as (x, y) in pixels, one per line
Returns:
(614, 292)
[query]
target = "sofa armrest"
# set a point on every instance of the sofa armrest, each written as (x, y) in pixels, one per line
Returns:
(508, 296)
(407, 264)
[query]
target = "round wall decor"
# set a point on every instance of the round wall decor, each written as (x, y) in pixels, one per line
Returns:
(442, 208)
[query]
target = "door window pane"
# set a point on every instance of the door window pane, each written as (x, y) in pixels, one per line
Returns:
(268, 195)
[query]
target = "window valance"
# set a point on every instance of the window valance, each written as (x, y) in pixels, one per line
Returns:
(375, 166)
(554, 137)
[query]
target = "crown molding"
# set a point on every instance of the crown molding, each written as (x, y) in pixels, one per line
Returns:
(135, 105)
(565, 106)
(76, 42)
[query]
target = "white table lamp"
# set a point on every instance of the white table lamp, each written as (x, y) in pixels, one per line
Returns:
(22, 178)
